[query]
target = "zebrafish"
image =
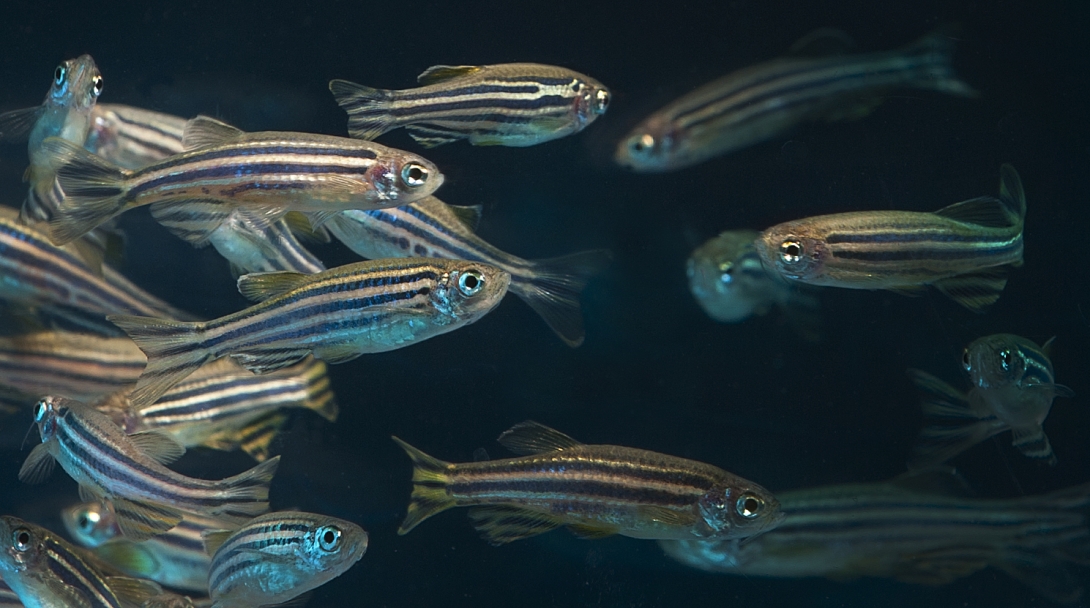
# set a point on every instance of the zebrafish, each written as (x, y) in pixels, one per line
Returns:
(128, 472)
(133, 138)
(175, 558)
(260, 176)
(962, 250)
(83, 366)
(225, 406)
(762, 101)
(431, 228)
(729, 281)
(279, 556)
(920, 528)
(336, 315)
(594, 490)
(1013, 388)
(47, 572)
(512, 104)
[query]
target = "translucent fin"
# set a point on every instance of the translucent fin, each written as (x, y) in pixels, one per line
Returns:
(131, 591)
(368, 109)
(300, 225)
(822, 42)
(261, 286)
(1032, 441)
(430, 495)
(469, 215)
(976, 291)
(256, 438)
(500, 524)
(940, 75)
(430, 137)
(207, 131)
(320, 396)
(192, 220)
(667, 516)
(941, 566)
(981, 211)
(1044, 574)
(553, 287)
(16, 125)
(173, 353)
(911, 291)
(317, 219)
(951, 426)
(589, 532)
(442, 73)
(337, 353)
(142, 520)
(38, 465)
(159, 446)
(531, 437)
(1011, 193)
(247, 493)
(94, 190)
(265, 361)
(214, 539)
(130, 557)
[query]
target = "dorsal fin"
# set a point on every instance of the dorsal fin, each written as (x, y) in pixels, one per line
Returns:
(440, 73)
(1046, 348)
(983, 211)
(207, 131)
(260, 286)
(159, 446)
(470, 215)
(822, 42)
(531, 437)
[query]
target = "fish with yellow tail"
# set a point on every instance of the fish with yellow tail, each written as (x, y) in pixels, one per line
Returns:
(963, 250)
(594, 490)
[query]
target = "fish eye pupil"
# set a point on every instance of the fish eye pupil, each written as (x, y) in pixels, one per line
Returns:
(576, 85)
(414, 175)
(791, 252)
(84, 522)
(21, 539)
(39, 412)
(749, 506)
(1008, 359)
(470, 282)
(328, 538)
(58, 75)
(603, 100)
(97, 84)
(965, 359)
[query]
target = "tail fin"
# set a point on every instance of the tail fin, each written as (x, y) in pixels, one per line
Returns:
(951, 427)
(1032, 441)
(936, 54)
(368, 109)
(94, 190)
(320, 396)
(430, 496)
(173, 350)
(553, 286)
(1011, 193)
(248, 493)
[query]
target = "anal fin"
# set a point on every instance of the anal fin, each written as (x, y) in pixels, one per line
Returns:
(975, 291)
(500, 524)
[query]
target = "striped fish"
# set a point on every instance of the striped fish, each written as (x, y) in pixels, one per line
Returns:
(82, 366)
(962, 249)
(175, 558)
(225, 406)
(431, 228)
(594, 490)
(920, 529)
(761, 102)
(133, 138)
(511, 104)
(1013, 388)
(47, 572)
(128, 472)
(259, 175)
(279, 556)
(338, 315)
(8, 598)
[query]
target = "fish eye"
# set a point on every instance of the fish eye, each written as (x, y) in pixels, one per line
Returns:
(749, 505)
(601, 101)
(86, 521)
(965, 360)
(643, 143)
(725, 270)
(470, 282)
(1008, 359)
(328, 538)
(40, 410)
(414, 175)
(20, 539)
(576, 85)
(791, 252)
(59, 75)
(96, 85)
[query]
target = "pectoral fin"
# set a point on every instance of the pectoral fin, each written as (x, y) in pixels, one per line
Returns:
(141, 520)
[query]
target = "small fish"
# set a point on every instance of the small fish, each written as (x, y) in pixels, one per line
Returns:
(1013, 388)
(511, 104)
(962, 250)
(175, 558)
(336, 315)
(594, 490)
(729, 281)
(432, 228)
(921, 528)
(760, 102)
(224, 170)
(85, 366)
(128, 472)
(279, 556)
(47, 572)
(225, 406)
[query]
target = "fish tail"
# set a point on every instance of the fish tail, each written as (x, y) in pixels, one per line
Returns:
(94, 190)
(247, 493)
(430, 495)
(173, 348)
(553, 289)
(937, 48)
(368, 109)
(950, 425)
(1032, 441)
(320, 396)
(1012, 195)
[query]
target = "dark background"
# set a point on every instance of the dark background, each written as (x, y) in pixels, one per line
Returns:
(655, 372)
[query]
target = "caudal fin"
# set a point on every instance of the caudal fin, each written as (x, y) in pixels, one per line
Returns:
(368, 109)
(553, 286)
(1011, 194)
(430, 496)
(951, 427)
(94, 190)
(247, 493)
(173, 350)
(1032, 441)
(935, 55)
(319, 397)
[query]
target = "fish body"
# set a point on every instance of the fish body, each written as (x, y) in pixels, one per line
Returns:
(127, 471)
(133, 138)
(431, 228)
(512, 104)
(279, 556)
(961, 249)
(1013, 386)
(45, 571)
(594, 490)
(224, 170)
(336, 315)
(763, 101)
(83, 366)
(911, 530)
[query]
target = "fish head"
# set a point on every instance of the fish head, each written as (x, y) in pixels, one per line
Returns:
(591, 99)
(791, 253)
(727, 278)
(47, 413)
(651, 146)
(77, 84)
(20, 545)
(999, 360)
(403, 178)
(737, 509)
(332, 545)
(469, 290)
(90, 524)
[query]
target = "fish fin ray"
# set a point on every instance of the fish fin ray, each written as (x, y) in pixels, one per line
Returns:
(530, 437)
(500, 524)
(256, 437)
(591, 532)
(367, 108)
(177, 217)
(94, 190)
(1032, 441)
(320, 397)
(987, 211)
(38, 466)
(247, 492)
(265, 361)
(133, 592)
(16, 125)
(261, 286)
(142, 520)
(469, 215)
(431, 137)
(442, 73)
(667, 516)
(1011, 193)
(204, 131)
(337, 353)
(554, 286)
(173, 351)
(939, 43)
(976, 291)
(301, 225)
(429, 496)
(951, 426)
